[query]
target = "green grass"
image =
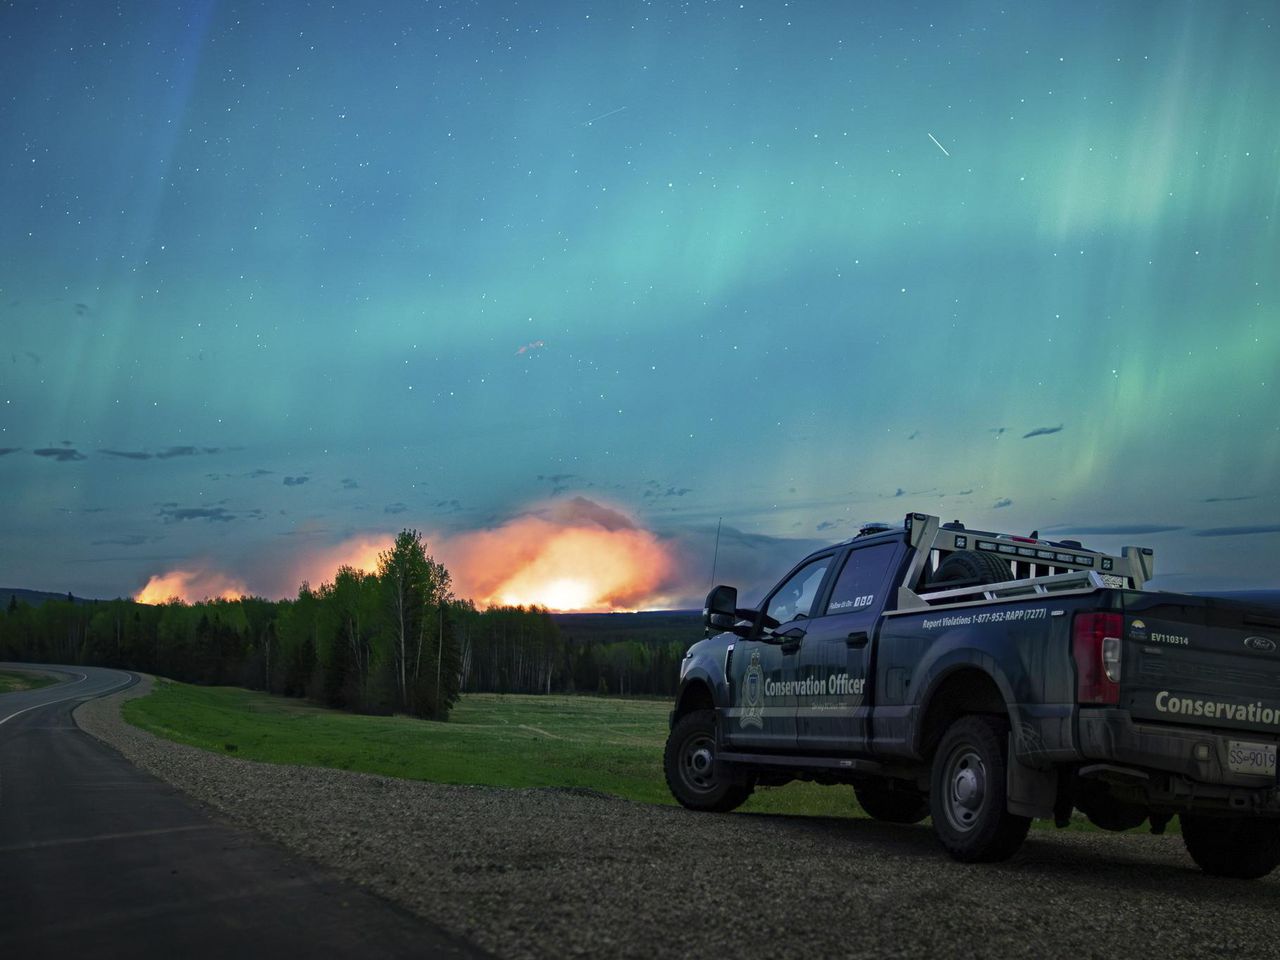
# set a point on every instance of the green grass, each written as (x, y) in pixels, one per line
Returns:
(607, 744)
(12, 682)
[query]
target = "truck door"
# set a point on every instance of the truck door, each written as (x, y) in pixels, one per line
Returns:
(835, 655)
(762, 673)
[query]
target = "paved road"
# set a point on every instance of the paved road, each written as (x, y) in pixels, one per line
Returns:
(97, 856)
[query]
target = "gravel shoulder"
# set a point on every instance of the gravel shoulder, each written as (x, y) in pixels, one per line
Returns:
(553, 873)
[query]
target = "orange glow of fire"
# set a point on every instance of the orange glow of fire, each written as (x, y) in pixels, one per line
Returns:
(359, 553)
(190, 586)
(574, 555)
(562, 563)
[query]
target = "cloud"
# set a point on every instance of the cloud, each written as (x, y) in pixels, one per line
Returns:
(899, 492)
(131, 540)
(1116, 529)
(828, 525)
(997, 430)
(5, 451)
(526, 348)
(669, 492)
(1228, 499)
(913, 434)
(448, 506)
(559, 477)
(61, 454)
(295, 481)
(171, 513)
(167, 454)
(254, 474)
(1238, 531)
(965, 493)
(1042, 432)
(349, 484)
(127, 454)
(395, 508)
(1002, 503)
(582, 510)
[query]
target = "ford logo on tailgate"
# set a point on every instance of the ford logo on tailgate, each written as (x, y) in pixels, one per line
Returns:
(1264, 644)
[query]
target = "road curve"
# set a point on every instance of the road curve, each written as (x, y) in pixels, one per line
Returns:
(100, 856)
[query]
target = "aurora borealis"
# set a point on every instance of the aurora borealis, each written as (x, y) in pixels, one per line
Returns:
(278, 276)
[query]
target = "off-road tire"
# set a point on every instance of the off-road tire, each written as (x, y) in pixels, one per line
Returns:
(967, 795)
(892, 804)
(973, 566)
(694, 777)
(1237, 847)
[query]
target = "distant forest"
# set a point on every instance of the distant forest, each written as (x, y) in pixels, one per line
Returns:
(394, 641)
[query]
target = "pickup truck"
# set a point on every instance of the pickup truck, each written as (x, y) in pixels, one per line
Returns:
(986, 680)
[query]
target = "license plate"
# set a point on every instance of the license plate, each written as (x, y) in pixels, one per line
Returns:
(1258, 759)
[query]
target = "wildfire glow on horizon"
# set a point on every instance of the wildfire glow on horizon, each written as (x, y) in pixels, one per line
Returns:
(191, 586)
(567, 556)
(577, 557)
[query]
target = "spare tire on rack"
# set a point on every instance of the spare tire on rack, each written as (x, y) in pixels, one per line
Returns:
(971, 567)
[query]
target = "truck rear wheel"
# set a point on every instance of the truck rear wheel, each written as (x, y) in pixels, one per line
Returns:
(967, 792)
(693, 775)
(1232, 847)
(892, 804)
(973, 567)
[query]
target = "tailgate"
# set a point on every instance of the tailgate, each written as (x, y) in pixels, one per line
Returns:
(1202, 661)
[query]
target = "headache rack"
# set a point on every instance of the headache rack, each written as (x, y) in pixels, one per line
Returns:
(1039, 567)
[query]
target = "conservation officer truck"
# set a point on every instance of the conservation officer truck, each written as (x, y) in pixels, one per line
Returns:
(985, 680)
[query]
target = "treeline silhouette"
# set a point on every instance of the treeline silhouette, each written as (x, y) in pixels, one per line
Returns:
(393, 641)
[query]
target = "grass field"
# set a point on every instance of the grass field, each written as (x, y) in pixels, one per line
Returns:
(11, 682)
(608, 744)
(611, 745)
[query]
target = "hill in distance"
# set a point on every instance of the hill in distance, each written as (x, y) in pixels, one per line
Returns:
(33, 598)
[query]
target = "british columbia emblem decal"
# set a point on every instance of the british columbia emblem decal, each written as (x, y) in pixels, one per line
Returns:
(753, 694)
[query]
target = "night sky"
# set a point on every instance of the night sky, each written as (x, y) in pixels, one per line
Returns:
(278, 278)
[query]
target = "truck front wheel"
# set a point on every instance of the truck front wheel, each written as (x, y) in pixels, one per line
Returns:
(693, 775)
(967, 792)
(1232, 847)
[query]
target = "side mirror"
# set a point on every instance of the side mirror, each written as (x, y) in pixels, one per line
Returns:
(720, 613)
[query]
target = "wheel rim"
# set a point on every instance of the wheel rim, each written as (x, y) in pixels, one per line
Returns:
(965, 783)
(697, 763)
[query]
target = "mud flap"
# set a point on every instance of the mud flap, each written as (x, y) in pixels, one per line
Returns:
(1029, 791)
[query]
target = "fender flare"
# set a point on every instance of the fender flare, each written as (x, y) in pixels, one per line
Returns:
(947, 666)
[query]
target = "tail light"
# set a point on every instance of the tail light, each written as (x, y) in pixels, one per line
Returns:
(1095, 644)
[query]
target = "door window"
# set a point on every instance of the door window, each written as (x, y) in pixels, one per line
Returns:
(794, 599)
(861, 578)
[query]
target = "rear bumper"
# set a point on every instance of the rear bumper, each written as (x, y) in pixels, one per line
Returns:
(1163, 764)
